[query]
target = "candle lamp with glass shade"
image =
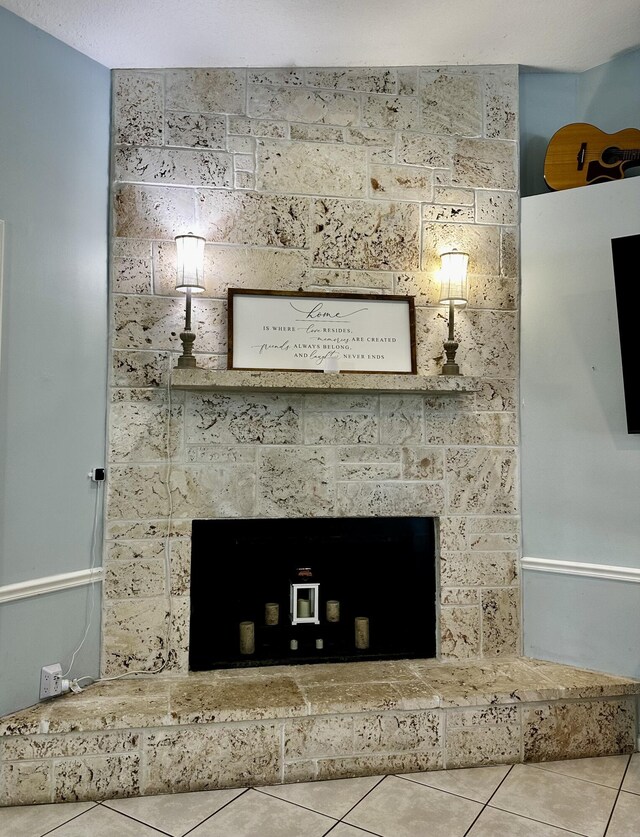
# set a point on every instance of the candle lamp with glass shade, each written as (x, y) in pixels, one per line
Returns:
(453, 291)
(189, 280)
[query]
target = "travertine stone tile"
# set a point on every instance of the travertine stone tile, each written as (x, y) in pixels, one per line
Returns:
(135, 639)
(210, 90)
(153, 211)
(453, 532)
(73, 744)
(302, 105)
(482, 569)
(258, 220)
(244, 126)
(96, 778)
(151, 322)
(483, 745)
(422, 462)
(459, 596)
(180, 558)
(467, 428)
(407, 80)
(235, 454)
(399, 113)
(241, 145)
(144, 432)
(481, 242)
(379, 764)
(244, 163)
(418, 149)
(244, 180)
(258, 418)
(118, 530)
(332, 698)
(235, 700)
(491, 526)
(284, 479)
(26, 782)
(379, 142)
(368, 471)
(451, 103)
(358, 235)
(373, 454)
(137, 110)
(401, 420)
(496, 395)
(316, 133)
(398, 732)
(482, 480)
(578, 730)
(501, 104)
(338, 402)
(403, 499)
(424, 287)
(501, 622)
(233, 267)
(497, 207)
(449, 195)
(311, 169)
(141, 578)
(174, 166)
(194, 130)
(310, 738)
(443, 213)
(293, 77)
(401, 183)
(459, 632)
(572, 682)
(375, 671)
(348, 427)
(209, 757)
(139, 368)
(485, 164)
(509, 251)
(362, 79)
(130, 266)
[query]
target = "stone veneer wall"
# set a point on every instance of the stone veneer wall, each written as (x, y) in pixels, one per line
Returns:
(311, 179)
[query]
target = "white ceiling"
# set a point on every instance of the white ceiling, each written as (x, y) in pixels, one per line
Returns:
(553, 35)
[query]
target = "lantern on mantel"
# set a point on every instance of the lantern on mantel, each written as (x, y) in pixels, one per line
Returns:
(304, 598)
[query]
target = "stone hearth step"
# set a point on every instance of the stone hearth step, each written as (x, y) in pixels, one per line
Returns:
(274, 725)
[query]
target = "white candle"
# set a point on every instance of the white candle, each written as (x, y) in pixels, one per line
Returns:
(319, 644)
(247, 638)
(293, 645)
(361, 632)
(304, 608)
(333, 610)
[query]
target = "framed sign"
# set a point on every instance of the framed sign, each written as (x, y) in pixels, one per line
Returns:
(332, 332)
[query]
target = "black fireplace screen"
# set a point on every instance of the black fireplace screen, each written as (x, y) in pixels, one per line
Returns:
(279, 591)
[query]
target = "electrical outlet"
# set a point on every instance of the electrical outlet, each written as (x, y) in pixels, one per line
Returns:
(50, 681)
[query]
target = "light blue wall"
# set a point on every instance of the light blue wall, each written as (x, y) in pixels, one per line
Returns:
(580, 468)
(607, 97)
(54, 135)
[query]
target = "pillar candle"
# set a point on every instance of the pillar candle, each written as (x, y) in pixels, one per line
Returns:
(333, 611)
(304, 608)
(247, 638)
(271, 613)
(362, 632)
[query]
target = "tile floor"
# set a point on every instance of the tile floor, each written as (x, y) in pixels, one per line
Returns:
(589, 797)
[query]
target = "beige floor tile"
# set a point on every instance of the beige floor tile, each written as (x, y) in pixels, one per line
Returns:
(631, 781)
(34, 820)
(174, 813)
(255, 814)
(400, 808)
(606, 770)
(103, 822)
(477, 783)
(333, 797)
(494, 823)
(556, 800)
(344, 830)
(625, 821)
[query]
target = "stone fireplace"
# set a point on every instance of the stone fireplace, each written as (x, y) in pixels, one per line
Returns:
(316, 180)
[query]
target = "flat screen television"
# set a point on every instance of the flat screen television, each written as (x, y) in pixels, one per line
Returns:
(626, 271)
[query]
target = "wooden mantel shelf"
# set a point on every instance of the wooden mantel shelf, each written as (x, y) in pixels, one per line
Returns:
(269, 381)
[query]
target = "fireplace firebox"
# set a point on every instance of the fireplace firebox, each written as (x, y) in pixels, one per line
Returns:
(278, 591)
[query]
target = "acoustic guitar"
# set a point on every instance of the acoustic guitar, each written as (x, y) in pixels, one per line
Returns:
(580, 154)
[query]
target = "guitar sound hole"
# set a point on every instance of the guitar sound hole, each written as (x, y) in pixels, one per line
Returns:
(611, 155)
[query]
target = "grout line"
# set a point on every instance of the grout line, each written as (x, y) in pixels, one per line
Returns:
(486, 804)
(613, 807)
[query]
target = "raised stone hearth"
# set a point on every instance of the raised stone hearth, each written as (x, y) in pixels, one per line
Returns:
(274, 725)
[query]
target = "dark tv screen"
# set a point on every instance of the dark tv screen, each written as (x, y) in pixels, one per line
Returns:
(626, 271)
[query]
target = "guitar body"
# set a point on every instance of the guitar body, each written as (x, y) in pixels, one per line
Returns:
(580, 154)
